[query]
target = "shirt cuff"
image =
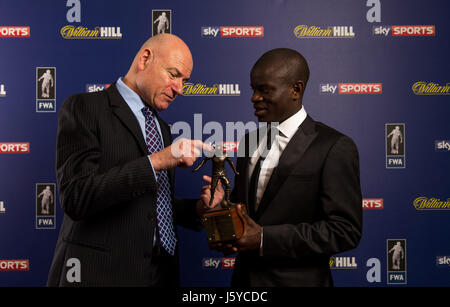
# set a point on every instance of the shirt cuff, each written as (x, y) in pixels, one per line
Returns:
(154, 173)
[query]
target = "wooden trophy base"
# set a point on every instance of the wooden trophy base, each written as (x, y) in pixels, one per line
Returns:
(223, 224)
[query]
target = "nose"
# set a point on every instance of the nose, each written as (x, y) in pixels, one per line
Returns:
(178, 87)
(256, 97)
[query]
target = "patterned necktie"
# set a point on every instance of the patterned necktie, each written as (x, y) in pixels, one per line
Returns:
(164, 214)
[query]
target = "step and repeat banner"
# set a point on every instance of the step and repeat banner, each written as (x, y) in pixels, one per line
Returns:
(379, 73)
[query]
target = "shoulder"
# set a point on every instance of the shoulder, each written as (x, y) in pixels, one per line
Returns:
(86, 99)
(86, 103)
(333, 138)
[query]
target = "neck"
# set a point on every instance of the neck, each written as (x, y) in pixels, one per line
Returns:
(131, 83)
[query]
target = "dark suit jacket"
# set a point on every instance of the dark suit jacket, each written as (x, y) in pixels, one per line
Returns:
(108, 192)
(310, 210)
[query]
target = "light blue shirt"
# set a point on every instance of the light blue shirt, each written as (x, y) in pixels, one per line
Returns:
(136, 104)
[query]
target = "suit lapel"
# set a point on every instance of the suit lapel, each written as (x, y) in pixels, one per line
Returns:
(287, 162)
(124, 113)
(126, 116)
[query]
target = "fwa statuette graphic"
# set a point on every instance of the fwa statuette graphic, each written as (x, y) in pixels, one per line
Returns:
(45, 89)
(396, 261)
(161, 22)
(395, 145)
(45, 206)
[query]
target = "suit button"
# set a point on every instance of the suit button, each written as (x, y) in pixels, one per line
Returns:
(150, 217)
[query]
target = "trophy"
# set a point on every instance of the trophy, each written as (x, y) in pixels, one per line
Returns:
(222, 223)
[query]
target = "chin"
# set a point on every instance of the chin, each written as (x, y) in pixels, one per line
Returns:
(262, 119)
(161, 106)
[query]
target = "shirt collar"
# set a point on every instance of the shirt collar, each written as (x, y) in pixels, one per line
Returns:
(289, 126)
(131, 98)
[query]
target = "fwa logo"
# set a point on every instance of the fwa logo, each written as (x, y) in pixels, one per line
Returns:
(45, 89)
(395, 145)
(45, 206)
(396, 261)
(161, 22)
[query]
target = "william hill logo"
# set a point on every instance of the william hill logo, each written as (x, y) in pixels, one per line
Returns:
(72, 32)
(343, 263)
(424, 203)
(303, 31)
(430, 88)
(199, 89)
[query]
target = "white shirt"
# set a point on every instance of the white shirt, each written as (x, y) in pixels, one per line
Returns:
(286, 131)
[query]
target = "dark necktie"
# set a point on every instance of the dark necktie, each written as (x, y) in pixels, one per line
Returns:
(164, 213)
(253, 188)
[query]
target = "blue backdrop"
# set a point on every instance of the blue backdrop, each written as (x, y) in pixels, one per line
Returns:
(391, 55)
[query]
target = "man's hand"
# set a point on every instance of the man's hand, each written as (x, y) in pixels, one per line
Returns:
(250, 240)
(205, 196)
(182, 153)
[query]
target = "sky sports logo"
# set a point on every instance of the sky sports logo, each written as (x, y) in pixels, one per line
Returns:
(443, 261)
(233, 31)
(372, 203)
(230, 146)
(351, 88)
(90, 88)
(216, 263)
(14, 31)
(412, 30)
(14, 148)
(15, 265)
(443, 145)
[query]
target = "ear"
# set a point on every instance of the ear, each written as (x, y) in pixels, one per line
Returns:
(297, 89)
(145, 58)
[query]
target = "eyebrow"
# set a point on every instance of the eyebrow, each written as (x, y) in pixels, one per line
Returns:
(178, 72)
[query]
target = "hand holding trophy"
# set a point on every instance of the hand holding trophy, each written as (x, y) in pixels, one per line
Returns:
(222, 223)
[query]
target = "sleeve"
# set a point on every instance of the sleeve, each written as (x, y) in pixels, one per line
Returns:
(340, 197)
(83, 189)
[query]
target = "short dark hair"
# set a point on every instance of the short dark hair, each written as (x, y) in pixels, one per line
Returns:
(291, 60)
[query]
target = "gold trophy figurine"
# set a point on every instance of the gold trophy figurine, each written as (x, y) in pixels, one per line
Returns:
(222, 223)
